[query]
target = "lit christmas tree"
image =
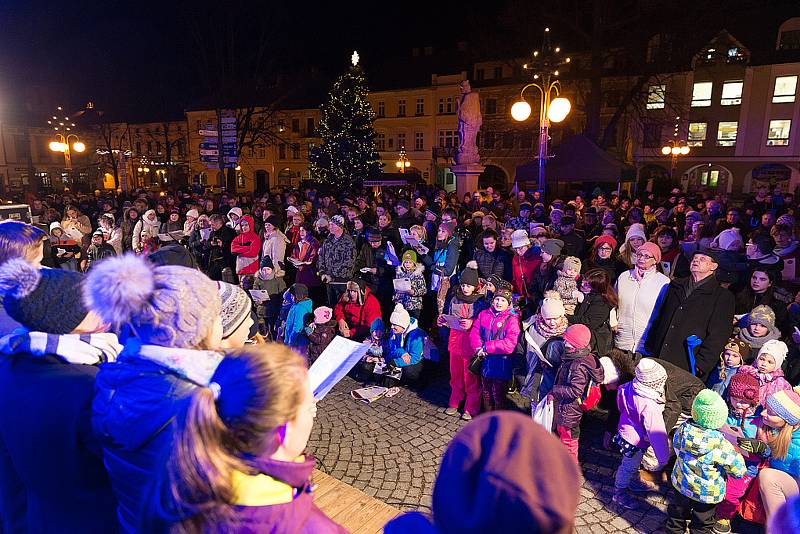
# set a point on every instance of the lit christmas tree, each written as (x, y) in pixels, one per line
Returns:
(347, 153)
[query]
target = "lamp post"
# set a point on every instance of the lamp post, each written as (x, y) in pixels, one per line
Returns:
(674, 149)
(402, 162)
(545, 67)
(62, 128)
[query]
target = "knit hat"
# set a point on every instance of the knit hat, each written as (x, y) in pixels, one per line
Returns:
(168, 306)
(650, 373)
(374, 235)
(744, 386)
(322, 315)
(578, 335)
(729, 239)
(338, 220)
(409, 255)
(605, 239)
(449, 227)
(235, 307)
(322, 222)
(652, 249)
(470, 274)
(42, 300)
(272, 220)
(266, 261)
(763, 315)
(786, 404)
(538, 230)
(777, 349)
(571, 262)
(610, 371)
(377, 326)
(519, 238)
(739, 346)
(193, 213)
(504, 293)
(709, 410)
(553, 247)
(400, 316)
(785, 219)
(552, 308)
(636, 230)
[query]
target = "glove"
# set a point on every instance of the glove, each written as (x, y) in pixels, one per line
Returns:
(754, 446)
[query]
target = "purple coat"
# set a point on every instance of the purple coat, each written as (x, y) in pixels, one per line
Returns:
(573, 376)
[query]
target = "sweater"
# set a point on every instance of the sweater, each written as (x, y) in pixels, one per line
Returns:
(639, 301)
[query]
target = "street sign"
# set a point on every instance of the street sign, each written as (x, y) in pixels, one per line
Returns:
(228, 139)
(227, 120)
(209, 133)
(228, 125)
(214, 152)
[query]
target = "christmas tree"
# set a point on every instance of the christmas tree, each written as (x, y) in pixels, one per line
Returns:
(347, 153)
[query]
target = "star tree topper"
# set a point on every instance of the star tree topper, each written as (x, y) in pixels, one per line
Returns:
(354, 58)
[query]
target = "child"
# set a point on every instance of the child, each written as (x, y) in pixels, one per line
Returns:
(320, 332)
(494, 339)
(463, 302)
(767, 369)
(733, 356)
(704, 457)
(578, 367)
(268, 310)
(779, 428)
(412, 271)
(641, 424)
(566, 283)
(405, 345)
(743, 408)
(98, 250)
(759, 327)
(294, 335)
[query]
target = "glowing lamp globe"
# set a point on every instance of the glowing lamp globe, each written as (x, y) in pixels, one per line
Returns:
(55, 146)
(559, 109)
(398, 164)
(666, 150)
(78, 146)
(684, 150)
(520, 111)
(676, 150)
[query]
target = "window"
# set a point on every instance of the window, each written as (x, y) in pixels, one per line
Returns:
(778, 134)
(420, 106)
(310, 129)
(282, 151)
(726, 133)
(262, 151)
(181, 148)
(251, 152)
(697, 133)
(44, 179)
(446, 105)
(295, 150)
(138, 147)
(381, 108)
(296, 125)
(448, 138)
(488, 140)
(790, 40)
(401, 140)
(655, 96)
(419, 141)
(508, 140)
(380, 141)
(401, 108)
(652, 135)
(785, 87)
(158, 147)
(491, 106)
(480, 74)
(498, 72)
(731, 93)
(701, 94)
(240, 183)
(149, 147)
(391, 143)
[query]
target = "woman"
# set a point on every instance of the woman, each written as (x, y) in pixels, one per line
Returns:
(673, 263)
(634, 238)
(246, 247)
(112, 234)
(594, 312)
(77, 226)
(304, 258)
(199, 242)
(145, 233)
(359, 232)
(548, 269)
(191, 222)
(129, 220)
(541, 345)
(173, 224)
(601, 256)
(442, 262)
(761, 290)
(170, 323)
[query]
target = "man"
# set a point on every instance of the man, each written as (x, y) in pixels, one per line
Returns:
(590, 226)
(574, 243)
(336, 259)
(693, 306)
(355, 311)
(522, 222)
(405, 217)
(787, 249)
(731, 220)
(220, 256)
(372, 266)
(491, 258)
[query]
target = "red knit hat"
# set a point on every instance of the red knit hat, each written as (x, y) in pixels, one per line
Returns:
(744, 386)
(578, 335)
(607, 239)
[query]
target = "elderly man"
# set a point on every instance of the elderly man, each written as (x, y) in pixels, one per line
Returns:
(693, 306)
(336, 260)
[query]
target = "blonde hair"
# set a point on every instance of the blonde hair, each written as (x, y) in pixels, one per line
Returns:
(779, 443)
(261, 387)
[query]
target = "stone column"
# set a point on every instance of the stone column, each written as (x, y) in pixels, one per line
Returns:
(466, 178)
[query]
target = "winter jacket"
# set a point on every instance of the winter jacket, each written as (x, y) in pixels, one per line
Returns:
(458, 342)
(442, 261)
(307, 251)
(707, 312)
(719, 384)
(337, 257)
(594, 312)
(791, 463)
(379, 282)
(705, 460)
(523, 271)
(145, 231)
(497, 333)
(95, 253)
(275, 288)
(319, 337)
(577, 369)
(674, 264)
(790, 275)
(641, 421)
(233, 211)
(490, 263)
(749, 426)
(220, 256)
(413, 300)
(769, 383)
(246, 247)
(639, 304)
(777, 301)
(296, 323)
(411, 342)
(274, 246)
(358, 317)
(113, 236)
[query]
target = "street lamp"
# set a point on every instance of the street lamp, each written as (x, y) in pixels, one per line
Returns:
(552, 108)
(675, 149)
(61, 144)
(402, 162)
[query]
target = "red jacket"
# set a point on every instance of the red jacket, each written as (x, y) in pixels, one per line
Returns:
(523, 270)
(247, 246)
(358, 317)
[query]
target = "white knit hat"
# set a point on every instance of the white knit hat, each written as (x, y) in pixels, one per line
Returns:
(777, 349)
(552, 308)
(192, 213)
(729, 239)
(400, 316)
(519, 238)
(636, 230)
(650, 373)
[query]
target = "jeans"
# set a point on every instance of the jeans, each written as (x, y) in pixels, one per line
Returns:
(627, 470)
(700, 517)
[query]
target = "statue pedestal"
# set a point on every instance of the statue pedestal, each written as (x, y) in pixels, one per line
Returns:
(466, 178)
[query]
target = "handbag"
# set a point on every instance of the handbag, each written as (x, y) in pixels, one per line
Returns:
(590, 397)
(476, 362)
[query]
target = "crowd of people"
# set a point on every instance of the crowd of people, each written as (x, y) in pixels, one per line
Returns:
(173, 332)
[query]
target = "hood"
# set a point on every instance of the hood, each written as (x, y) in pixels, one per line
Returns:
(235, 211)
(697, 441)
(147, 215)
(54, 225)
(419, 269)
(249, 220)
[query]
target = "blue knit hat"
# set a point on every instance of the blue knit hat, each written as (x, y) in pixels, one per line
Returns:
(377, 326)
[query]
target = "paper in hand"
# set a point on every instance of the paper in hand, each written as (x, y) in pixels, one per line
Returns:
(402, 285)
(333, 364)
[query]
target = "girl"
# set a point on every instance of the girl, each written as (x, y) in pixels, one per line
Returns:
(129, 220)
(443, 264)
(411, 271)
(111, 232)
(465, 303)
(297, 319)
(305, 259)
(780, 429)
(238, 460)
(673, 263)
(246, 247)
(767, 369)
(145, 233)
(634, 238)
(595, 310)
(405, 345)
(601, 256)
(762, 291)
(493, 339)
(759, 327)
(320, 332)
(733, 356)
(66, 252)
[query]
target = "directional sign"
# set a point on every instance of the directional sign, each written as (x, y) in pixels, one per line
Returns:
(226, 153)
(229, 120)
(228, 139)
(228, 125)
(209, 133)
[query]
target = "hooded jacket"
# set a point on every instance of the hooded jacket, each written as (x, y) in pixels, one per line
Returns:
(296, 322)
(411, 342)
(641, 421)
(319, 338)
(145, 230)
(413, 300)
(523, 271)
(497, 333)
(234, 211)
(274, 246)
(577, 369)
(358, 315)
(246, 246)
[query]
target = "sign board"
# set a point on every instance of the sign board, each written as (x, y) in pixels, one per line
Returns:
(15, 212)
(228, 125)
(209, 133)
(228, 120)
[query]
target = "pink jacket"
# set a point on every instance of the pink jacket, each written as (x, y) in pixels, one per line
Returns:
(641, 422)
(486, 327)
(770, 383)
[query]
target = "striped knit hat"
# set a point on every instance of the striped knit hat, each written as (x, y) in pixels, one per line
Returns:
(650, 373)
(786, 404)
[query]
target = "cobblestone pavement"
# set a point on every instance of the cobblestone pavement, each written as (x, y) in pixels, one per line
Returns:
(391, 449)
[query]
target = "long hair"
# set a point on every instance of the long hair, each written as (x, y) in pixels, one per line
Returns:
(779, 442)
(261, 387)
(600, 283)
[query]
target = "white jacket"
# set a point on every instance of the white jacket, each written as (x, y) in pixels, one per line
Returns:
(638, 303)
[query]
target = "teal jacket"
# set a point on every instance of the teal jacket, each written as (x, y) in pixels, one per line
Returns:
(412, 341)
(790, 464)
(294, 336)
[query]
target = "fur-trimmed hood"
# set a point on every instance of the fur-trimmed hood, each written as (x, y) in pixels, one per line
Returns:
(418, 270)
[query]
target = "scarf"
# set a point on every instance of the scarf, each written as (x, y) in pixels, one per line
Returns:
(647, 392)
(197, 366)
(785, 251)
(545, 331)
(758, 342)
(84, 349)
(471, 299)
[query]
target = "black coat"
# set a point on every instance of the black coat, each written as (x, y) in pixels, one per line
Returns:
(594, 312)
(707, 313)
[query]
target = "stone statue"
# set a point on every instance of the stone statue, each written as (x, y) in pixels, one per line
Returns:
(469, 123)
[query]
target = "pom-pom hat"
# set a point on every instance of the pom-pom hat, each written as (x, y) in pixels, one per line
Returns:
(235, 307)
(709, 410)
(578, 335)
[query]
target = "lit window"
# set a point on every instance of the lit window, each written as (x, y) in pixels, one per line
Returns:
(697, 133)
(381, 108)
(401, 108)
(785, 87)
(380, 141)
(778, 134)
(726, 133)
(655, 96)
(701, 94)
(732, 93)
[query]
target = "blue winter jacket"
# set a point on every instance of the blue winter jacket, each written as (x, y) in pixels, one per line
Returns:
(412, 341)
(790, 464)
(294, 336)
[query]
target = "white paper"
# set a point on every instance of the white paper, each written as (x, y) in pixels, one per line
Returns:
(205, 233)
(259, 295)
(453, 322)
(405, 235)
(333, 364)
(391, 255)
(402, 285)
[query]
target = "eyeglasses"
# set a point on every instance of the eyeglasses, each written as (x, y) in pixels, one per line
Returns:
(645, 257)
(605, 248)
